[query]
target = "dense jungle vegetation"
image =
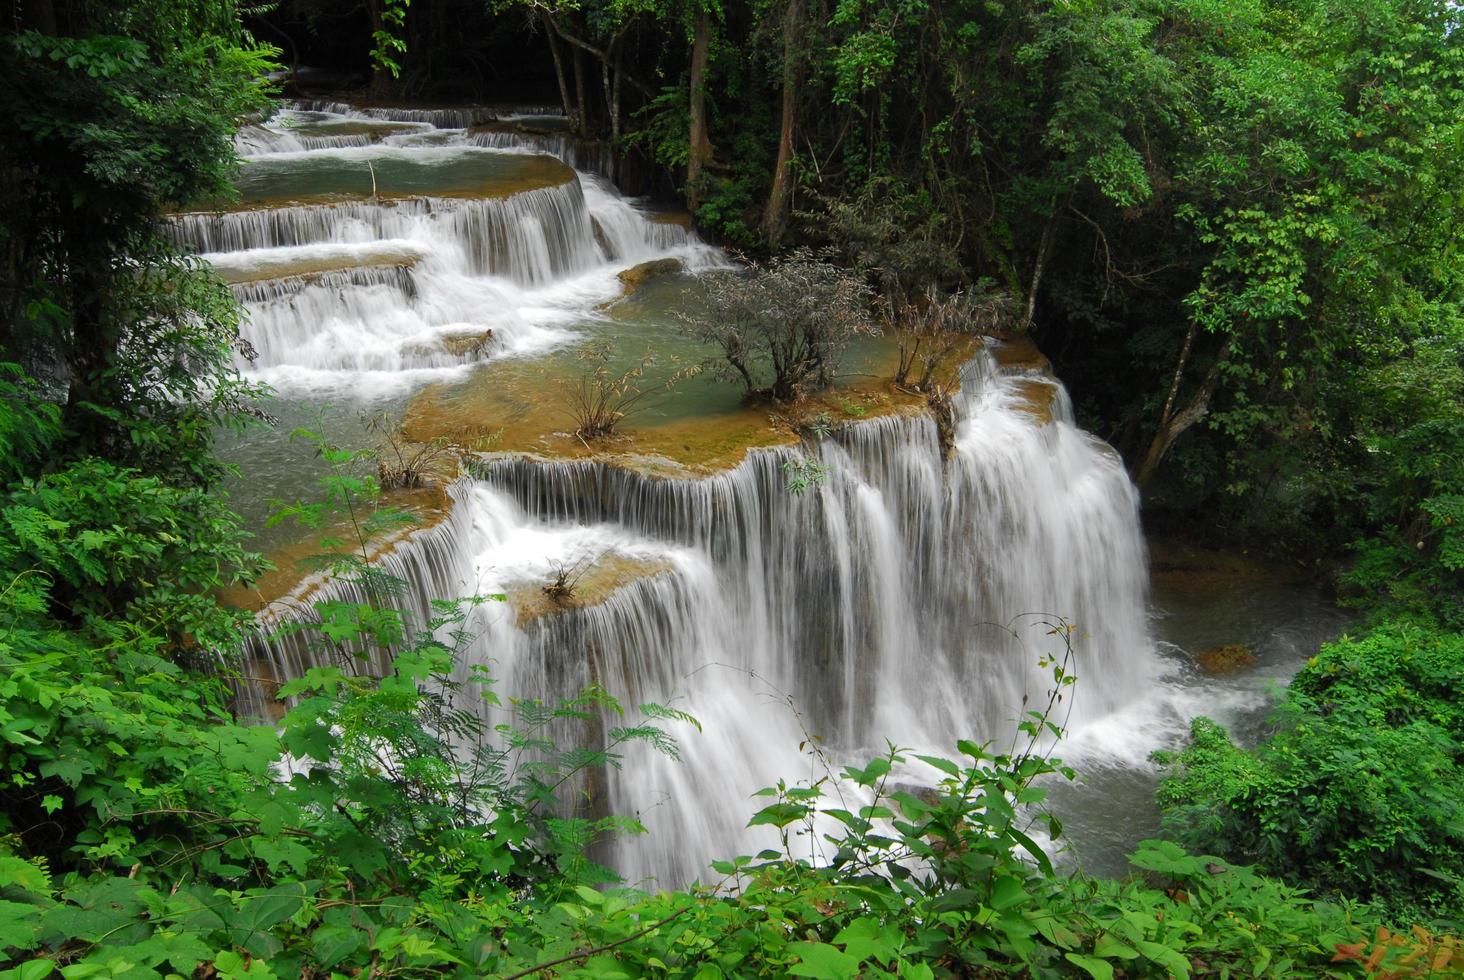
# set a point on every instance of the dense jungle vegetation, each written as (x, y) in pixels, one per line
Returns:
(1234, 226)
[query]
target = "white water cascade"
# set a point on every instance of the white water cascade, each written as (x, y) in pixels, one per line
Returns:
(348, 294)
(904, 597)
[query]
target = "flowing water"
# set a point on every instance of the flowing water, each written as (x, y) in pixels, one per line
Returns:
(908, 594)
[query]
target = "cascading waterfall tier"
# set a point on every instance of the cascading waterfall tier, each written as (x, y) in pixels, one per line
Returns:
(531, 237)
(457, 117)
(590, 156)
(907, 596)
(367, 294)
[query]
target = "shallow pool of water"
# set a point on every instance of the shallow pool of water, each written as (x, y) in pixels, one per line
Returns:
(1199, 599)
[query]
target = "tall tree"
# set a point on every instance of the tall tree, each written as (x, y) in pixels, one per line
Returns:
(118, 114)
(699, 144)
(775, 215)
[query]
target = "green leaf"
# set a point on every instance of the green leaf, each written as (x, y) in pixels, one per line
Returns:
(19, 924)
(822, 961)
(332, 945)
(1172, 960)
(1006, 892)
(944, 765)
(778, 815)
(865, 938)
(30, 970)
(15, 871)
(1096, 968)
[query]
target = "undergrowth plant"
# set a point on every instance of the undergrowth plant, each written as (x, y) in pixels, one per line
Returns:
(402, 464)
(1359, 791)
(387, 804)
(600, 396)
(406, 819)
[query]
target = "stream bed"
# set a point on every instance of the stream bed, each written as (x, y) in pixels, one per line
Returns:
(1198, 599)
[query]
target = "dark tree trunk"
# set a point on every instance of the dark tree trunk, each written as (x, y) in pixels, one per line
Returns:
(775, 217)
(579, 93)
(1044, 251)
(571, 111)
(619, 76)
(1173, 424)
(700, 149)
(38, 15)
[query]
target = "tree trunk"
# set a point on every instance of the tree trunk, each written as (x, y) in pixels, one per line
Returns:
(775, 217)
(699, 150)
(610, 80)
(1184, 353)
(615, 99)
(1172, 426)
(579, 94)
(571, 111)
(1044, 249)
(39, 15)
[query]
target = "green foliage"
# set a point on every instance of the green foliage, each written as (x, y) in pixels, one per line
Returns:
(360, 833)
(1412, 419)
(893, 235)
(132, 111)
(387, 43)
(667, 122)
(804, 473)
(111, 551)
(1359, 792)
(144, 829)
(29, 424)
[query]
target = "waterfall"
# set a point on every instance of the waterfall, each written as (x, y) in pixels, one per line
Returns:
(259, 140)
(391, 290)
(584, 155)
(457, 117)
(532, 236)
(903, 598)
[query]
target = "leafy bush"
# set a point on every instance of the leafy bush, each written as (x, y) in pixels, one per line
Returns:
(188, 843)
(1412, 422)
(896, 237)
(144, 831)
(1361, 790)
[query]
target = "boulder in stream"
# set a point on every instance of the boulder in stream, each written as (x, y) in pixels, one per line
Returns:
(638, 275)
(470, 345)
(1226, 658)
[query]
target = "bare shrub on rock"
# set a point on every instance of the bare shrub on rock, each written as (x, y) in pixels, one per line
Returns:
(934, 328)
(783, 327)
(402, 464)
(601, 396)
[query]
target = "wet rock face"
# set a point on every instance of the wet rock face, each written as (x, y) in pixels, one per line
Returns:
(467, 345)
(1226, 658)
(637, 276)
(471, 344)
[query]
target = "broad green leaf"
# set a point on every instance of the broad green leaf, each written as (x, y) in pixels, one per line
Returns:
(1096, 968)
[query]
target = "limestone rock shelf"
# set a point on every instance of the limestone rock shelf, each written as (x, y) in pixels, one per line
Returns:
(388, 174)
